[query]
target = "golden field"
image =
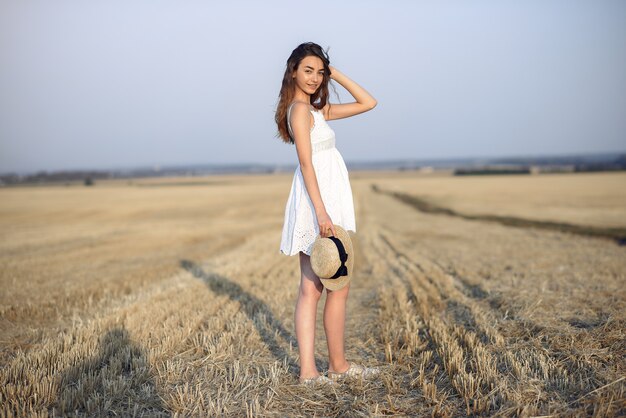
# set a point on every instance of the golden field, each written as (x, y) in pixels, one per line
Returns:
(162, 297)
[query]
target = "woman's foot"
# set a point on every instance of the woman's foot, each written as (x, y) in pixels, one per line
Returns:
(355, 370)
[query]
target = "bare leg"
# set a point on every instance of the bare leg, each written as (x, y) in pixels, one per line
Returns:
(306, 311)
(334, 325)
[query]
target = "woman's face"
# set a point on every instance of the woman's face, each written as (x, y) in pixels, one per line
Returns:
(310, 74)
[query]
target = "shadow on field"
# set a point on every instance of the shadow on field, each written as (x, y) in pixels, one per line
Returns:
(116, 381)
(254, 308)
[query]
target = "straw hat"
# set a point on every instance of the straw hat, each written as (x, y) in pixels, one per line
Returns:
(332, 259)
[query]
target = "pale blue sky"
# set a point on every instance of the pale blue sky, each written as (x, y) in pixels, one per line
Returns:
(119, 84)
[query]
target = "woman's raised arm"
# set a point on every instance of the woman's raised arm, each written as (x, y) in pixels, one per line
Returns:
(364, 100)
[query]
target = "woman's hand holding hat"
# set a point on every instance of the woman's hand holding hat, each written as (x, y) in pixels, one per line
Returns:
(332, 259)
(327, 228)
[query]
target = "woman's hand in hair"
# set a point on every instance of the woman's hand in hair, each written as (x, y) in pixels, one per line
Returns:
(332, 72)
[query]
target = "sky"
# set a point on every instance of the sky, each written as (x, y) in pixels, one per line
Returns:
(122, 84)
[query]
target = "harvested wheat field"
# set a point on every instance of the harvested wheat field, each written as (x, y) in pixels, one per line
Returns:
(483, 295)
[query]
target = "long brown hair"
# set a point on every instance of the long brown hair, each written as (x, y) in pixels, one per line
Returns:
(287, 90)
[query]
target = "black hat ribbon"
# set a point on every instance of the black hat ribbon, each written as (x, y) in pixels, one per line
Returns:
(343, 256)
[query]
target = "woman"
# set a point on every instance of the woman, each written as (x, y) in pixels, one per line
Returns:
(320, 198)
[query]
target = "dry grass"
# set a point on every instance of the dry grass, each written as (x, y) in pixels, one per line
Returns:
(169, 297)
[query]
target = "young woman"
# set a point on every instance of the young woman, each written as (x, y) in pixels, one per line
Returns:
(320, 198)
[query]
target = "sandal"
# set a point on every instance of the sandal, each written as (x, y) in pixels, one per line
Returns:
(319, 380)
(355, 370)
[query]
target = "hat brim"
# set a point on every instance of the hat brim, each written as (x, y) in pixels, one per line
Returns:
(341, 281)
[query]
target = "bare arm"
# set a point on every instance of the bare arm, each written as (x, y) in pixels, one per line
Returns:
(300, 122)
(364, 100)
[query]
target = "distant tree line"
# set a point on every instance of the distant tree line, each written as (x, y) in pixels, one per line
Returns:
(528, 165)
(491, 170)
(575, 164)
(87, 177)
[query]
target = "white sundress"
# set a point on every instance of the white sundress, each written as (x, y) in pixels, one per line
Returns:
(300, 228)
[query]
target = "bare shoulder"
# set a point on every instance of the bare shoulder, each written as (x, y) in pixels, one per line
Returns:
(299, 108)
(300, 116)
